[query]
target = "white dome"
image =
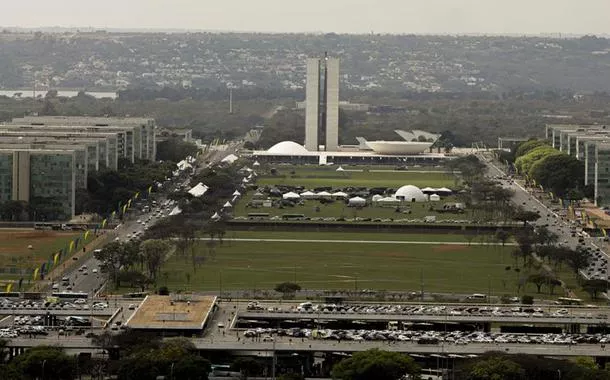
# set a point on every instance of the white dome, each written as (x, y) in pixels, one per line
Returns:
(288, 148)
(410, 193)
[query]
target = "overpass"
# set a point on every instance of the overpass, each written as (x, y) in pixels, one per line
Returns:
(463, 318)
(79, 344)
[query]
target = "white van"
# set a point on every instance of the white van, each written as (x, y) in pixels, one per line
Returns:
(477, 297)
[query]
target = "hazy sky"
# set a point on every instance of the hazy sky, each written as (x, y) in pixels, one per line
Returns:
(342, 16)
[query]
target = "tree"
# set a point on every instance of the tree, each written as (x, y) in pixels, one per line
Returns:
(578, 259)
(175, 149)
(525, 216)
(496, 368)
(595, 286)
(540, 279)
(559, 173)
(287, 288)
(544, 236)
(45, 362)
(527, 299)
(375, 364)
(154, 252)
(246, 366)
(526, 146)
(502, 236)
(115, 256)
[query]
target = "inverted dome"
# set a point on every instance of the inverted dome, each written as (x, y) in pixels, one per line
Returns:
(410, 193)
(288, 148)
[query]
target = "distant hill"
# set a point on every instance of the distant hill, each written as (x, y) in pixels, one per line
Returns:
(401, 63)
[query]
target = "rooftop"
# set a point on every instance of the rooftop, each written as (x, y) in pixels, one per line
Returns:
(175, 312)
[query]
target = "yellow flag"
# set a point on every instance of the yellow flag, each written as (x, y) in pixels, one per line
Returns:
(71, 246)
(124, 209)
(551, 195)
(104, 223)
(56, 258)
(604, 232)
(137, 195)
(149, 189)
(36, 271)
(86, 235)
(129, 203)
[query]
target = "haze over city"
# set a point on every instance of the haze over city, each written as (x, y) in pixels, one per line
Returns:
(340, 16)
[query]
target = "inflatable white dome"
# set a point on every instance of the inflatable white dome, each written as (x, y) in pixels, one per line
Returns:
(410, 193)
(288, 148)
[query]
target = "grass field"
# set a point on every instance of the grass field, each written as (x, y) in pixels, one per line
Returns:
(311, 177)
(314, 208)
(375, 236)
(449, 268)
(15, 254)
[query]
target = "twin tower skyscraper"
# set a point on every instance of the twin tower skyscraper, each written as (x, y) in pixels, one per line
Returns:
(322, 104)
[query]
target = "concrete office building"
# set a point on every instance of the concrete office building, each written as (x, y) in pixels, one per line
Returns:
(81, 158)
(39, 175)
(110, 145)
(590, 144)
(322, 103)
(140, 131)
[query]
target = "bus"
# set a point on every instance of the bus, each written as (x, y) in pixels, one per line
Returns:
(70, 295)
(569, 301)
(224, 370)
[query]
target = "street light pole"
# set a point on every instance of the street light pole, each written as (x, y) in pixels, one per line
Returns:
(43, 363)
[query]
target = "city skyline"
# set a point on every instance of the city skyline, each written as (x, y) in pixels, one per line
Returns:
(387, 16)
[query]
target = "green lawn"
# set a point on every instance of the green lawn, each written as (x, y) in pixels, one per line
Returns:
(261, 265)
(313, 208)
(311, 177)
(375, 236)
(15, 254)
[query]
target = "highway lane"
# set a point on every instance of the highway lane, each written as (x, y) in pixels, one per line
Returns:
(92, 284)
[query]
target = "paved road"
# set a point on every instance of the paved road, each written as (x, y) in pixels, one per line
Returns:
(599, 265)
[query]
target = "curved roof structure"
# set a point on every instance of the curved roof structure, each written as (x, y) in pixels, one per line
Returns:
(399, 147)
(287, 148)
(410, 193)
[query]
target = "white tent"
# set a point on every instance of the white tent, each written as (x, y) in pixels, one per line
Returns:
(356, 201)
(428, 190)
(377, 197)
(291, 195)
(388, 200)
(227, 205)
(339, 194)
(198, 190)
(323, 194)
(435, 198)
(256, 163)
(236, 193)
(308, 194)
(183, 165)
(444, 190)
(215, 217)
(231, 158)
(176, 210)
(245, 180)
(340, 169)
